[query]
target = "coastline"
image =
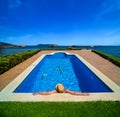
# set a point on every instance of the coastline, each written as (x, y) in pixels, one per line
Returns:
(111, 50)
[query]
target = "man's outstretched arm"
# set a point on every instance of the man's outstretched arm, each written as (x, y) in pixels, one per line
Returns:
(76, 93)
(45, 93)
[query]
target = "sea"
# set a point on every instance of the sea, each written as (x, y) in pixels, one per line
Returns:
(112, 50)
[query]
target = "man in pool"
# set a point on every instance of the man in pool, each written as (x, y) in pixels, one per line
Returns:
(60, 89)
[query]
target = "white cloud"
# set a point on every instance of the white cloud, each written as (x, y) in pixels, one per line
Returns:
(110, 6)
(107, 7)
(95, 37)
(19, 39)
(113, 32)
(14, 3)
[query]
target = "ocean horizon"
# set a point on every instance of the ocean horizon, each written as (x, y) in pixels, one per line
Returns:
(112, 50)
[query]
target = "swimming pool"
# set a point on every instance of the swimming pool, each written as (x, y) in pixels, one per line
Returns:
(62, 68)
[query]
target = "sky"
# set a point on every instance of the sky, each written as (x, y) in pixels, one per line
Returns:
(62, 22)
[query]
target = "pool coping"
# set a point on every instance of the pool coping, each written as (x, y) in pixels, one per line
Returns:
(7, 95)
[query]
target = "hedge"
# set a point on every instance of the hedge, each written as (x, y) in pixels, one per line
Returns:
(111, 58)
(9, 61)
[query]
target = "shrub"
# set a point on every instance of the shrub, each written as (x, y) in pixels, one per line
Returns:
(112, 59)
(70, 48)
(9, 61)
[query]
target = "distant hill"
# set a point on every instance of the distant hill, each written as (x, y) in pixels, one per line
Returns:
(5, 44)
(48, 45)
(8, 45)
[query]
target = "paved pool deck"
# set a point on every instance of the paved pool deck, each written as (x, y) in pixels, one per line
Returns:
(107, 68)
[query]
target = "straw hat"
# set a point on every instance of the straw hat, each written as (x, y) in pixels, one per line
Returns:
(60, 88)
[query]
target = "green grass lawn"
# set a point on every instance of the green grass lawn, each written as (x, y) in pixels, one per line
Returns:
(60, 109)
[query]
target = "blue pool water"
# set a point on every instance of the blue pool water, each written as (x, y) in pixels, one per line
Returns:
(65, 69)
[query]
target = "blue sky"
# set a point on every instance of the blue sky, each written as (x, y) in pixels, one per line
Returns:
(62, 22)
